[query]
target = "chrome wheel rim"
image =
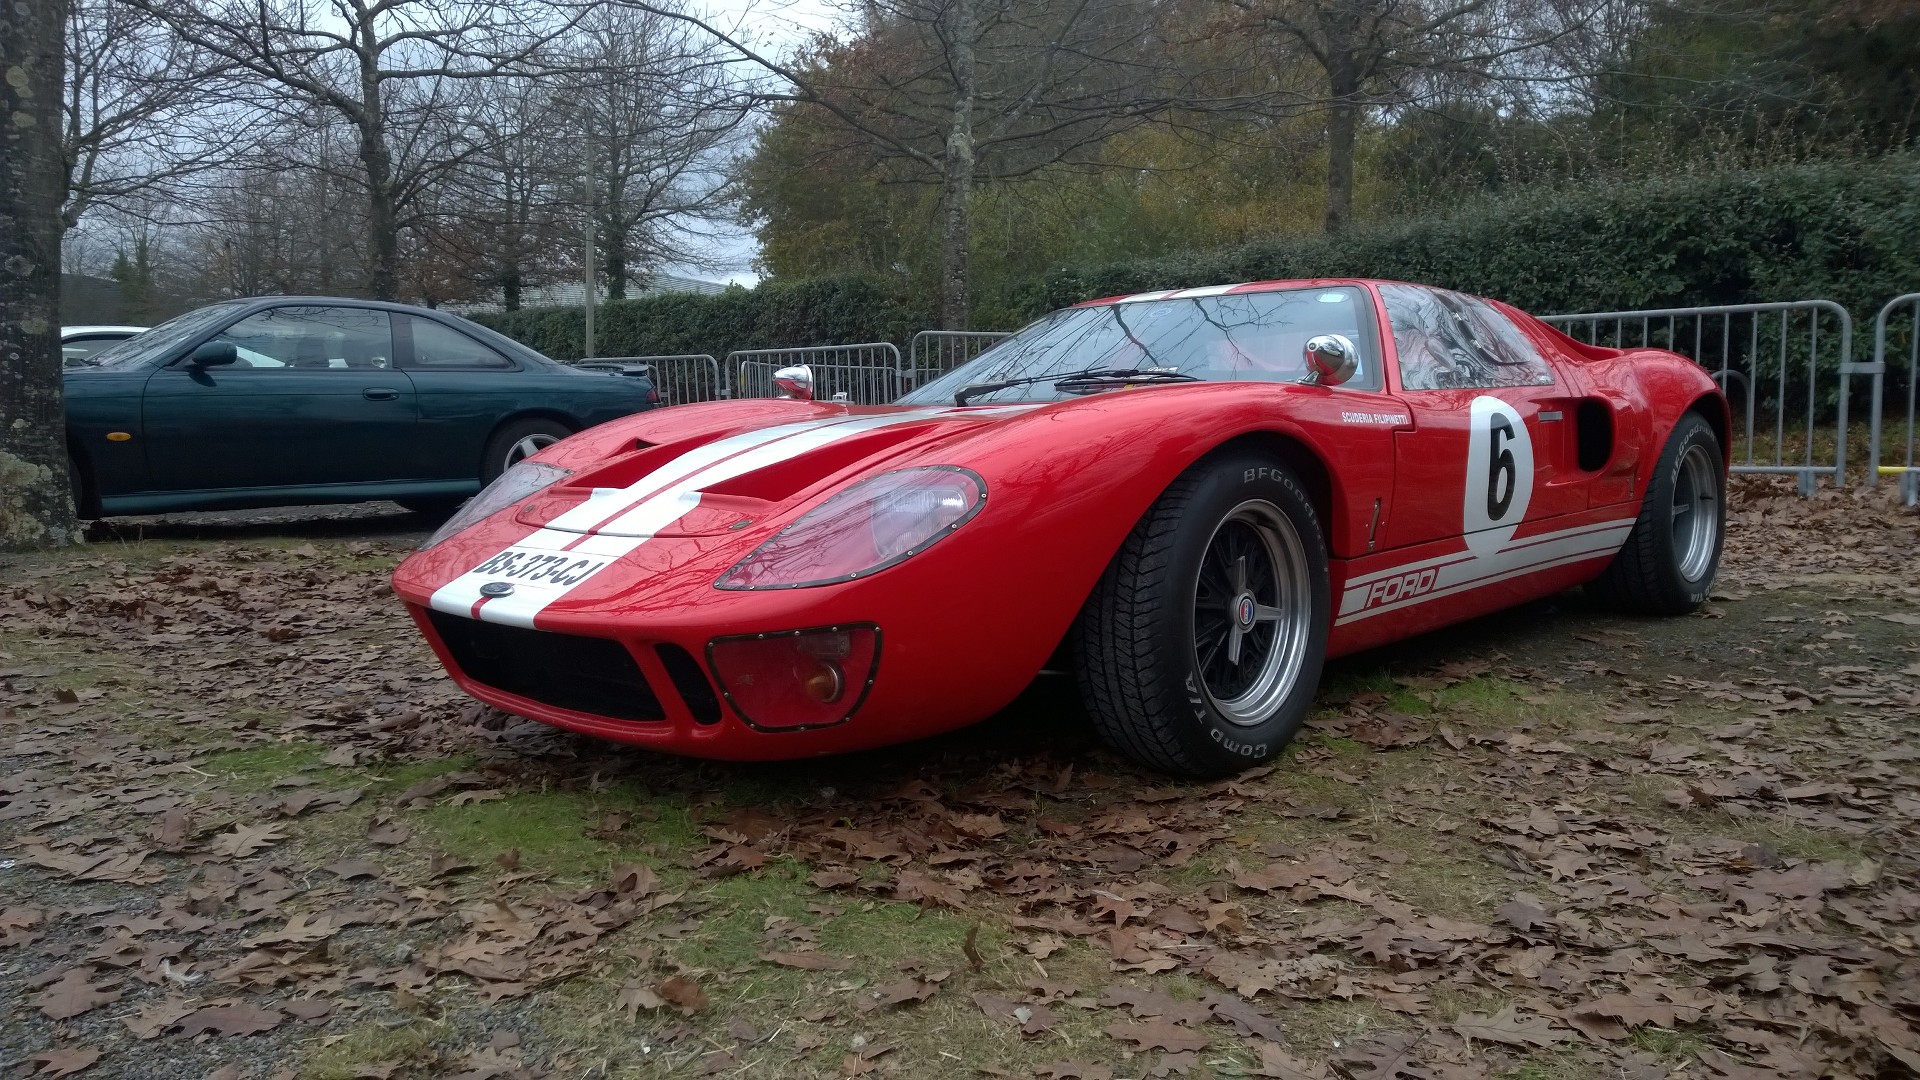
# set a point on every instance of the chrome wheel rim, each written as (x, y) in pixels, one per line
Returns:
(1695, 517)
(1252, 606)
(529, 446)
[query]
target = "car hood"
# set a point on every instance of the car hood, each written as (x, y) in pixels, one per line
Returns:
(722, 467)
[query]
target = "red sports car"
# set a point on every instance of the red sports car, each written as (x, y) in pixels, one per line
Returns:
(1189, 498)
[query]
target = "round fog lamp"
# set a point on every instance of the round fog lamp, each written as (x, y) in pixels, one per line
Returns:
(826, 683)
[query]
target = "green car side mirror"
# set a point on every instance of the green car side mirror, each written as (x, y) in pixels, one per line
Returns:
(213, 354)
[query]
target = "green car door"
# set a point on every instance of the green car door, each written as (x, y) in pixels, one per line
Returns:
(311, 398)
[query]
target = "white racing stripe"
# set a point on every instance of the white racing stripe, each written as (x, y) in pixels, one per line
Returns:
(556, 559)
(1447, 575)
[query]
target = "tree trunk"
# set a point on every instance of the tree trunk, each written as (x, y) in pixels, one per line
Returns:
(36, 505)
(956, 182)
(383, 280)
(510, 287)
(1342, 121)
(613, 258)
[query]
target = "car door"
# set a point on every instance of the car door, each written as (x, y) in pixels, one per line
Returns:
(313, 398)
(1491, 445)
(465, 388)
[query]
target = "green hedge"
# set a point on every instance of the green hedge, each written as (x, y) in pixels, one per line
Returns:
(818, 311)
(1846, 230)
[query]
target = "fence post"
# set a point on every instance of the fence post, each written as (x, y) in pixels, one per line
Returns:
(1879, 372)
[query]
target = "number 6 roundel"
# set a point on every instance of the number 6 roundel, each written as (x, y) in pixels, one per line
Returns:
(1499, 475)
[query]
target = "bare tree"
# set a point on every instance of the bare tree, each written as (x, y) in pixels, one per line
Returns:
(36, 504)
(957, 90)
(660, 112)
(501, 216)
(143, 110)
(1376, 54)
(389, 69)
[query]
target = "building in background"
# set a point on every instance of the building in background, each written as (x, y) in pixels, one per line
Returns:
(572, 293)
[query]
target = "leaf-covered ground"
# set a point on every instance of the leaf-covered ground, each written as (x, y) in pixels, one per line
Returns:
(247, 829)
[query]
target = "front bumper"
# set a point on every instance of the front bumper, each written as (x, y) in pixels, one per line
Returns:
(656, 689)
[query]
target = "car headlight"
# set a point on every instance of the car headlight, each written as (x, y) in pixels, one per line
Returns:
(870, 526)
(525, 479)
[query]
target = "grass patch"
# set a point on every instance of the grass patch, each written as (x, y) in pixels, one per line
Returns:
(1670, 1044)
(256, 769)
(550, 828)
(347, 1056)
(1563, 1065)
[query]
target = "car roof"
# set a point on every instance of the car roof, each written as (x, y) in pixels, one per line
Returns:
(1240, 287)
(344, 301)
(75, 331)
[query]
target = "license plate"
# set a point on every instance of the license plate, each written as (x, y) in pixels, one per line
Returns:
(534, 567)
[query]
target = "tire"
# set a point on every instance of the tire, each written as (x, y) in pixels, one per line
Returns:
(1153, 646)
(1670, 558)
(512, 442)
(77, 482)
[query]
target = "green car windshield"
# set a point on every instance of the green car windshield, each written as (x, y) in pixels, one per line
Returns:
(1224, 337)
(162, 340)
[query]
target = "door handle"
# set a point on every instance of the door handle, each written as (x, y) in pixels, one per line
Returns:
(380, 393)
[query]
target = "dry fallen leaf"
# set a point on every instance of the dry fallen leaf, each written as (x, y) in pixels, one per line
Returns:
(634, 997)
(683, 994)
(244, 840)
(230, 1020)
(1158, 1034)
(72, 995)
(1277, 1064)
(64, 1061)
(1506, 1027)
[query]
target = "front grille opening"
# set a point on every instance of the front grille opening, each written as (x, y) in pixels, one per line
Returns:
(580, 674)
(692, 683)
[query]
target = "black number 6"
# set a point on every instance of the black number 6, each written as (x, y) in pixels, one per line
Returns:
(1499, 495)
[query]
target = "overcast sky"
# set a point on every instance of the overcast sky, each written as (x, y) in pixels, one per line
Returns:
(776, 26)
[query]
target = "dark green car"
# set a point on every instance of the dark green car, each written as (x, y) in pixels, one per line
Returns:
(294, 400)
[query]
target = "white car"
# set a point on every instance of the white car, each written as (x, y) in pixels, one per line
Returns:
(77, 343)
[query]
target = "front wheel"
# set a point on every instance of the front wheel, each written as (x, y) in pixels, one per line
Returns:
(77, 482)
(1670, 558)
(516, 442)
(1200, 649)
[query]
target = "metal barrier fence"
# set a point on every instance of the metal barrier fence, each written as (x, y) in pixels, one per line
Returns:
(681, 378)
(1908, 472)
(865, 374)
(933, 353)
(1775, 363)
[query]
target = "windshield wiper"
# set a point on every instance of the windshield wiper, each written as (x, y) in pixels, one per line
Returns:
(1066, 379)
(1122, 375)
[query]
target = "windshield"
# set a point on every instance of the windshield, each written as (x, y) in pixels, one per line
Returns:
(1256, 336)
(162, 340)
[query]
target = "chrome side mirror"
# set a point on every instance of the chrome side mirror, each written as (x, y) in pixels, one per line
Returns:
(1331, 359)
(794, 382)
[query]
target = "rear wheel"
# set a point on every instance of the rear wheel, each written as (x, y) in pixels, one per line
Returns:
(516, 442)
(1200, 649)
(1669, 561)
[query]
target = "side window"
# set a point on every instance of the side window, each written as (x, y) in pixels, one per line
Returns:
(312, 337)
(74, 350)
(1448, 340)
(438, 347)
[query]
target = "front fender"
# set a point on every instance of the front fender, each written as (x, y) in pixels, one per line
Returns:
(1067, 485)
